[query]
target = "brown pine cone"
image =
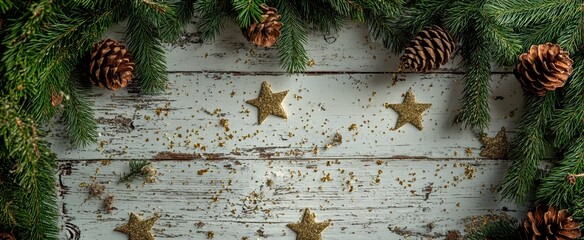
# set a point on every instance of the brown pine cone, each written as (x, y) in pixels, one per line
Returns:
(430, 49)
(6, 236)
(266, 32)
(545, 223)
(111, 65)
(544, 68)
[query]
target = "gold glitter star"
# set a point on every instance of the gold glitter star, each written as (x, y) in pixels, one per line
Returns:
(137, 229)
(409, 111)
(497, 147)
(307, 228)
(269, 103)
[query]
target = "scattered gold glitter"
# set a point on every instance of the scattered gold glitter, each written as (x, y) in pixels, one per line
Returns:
(311, 63)
(137, 229)
(308, 228)
(497, 147)
(353, 127)
(409, 111)
(269, 103)
(336, 140)
(225, 124)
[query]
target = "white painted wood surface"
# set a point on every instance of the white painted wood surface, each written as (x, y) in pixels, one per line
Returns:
(401, 180)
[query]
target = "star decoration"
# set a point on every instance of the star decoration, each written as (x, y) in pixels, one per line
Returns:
(269, 103)
(307, 228)
(137, 229)
(409, 111)
(497, 147)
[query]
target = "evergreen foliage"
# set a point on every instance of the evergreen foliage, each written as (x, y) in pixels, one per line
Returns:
(496, 230)
(28, 198)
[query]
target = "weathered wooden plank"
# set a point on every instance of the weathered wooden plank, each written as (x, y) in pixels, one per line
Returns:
(349, 50)
(364, 198)
(185, 123)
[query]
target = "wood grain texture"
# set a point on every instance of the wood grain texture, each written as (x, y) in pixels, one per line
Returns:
(378, 183)
(364, 198)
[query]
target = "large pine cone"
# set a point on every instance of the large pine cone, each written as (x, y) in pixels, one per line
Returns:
(111, 65)
(430, 49)
(545, 223)
(544, 68)
(266, 32)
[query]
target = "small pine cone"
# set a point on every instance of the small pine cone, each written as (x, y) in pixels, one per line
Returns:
(430, 49)
(266, 32)
(6, 236)
(111, 65)
(545, 223)
(544, 68)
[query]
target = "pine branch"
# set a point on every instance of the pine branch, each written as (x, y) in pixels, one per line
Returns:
(35, 212)
(248, 11)
(294, 35)
(497, 230)
(80, 123)
(524, 13)
(172, 27)
(424, 13)
(212, 17)
(143, 40)
(555, 189)
(136, 170)
(321, 15)
(529, 147)
(571, 38)
(349, 8)
(504, 43)
(474, 108)
(387, 29)
(567, 123)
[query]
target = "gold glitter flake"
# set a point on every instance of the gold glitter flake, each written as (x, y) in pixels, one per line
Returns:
(409, 111)
(308, 228)
(137, 229)
(497, 147)
(269, 103)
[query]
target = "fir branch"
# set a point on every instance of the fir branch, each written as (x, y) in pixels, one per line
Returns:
(529, 147)
(212, 16)
(136, 170)
(348, 8)
(386, 29)
(497, 230)
(172, 27)
(248, 11)
(524, 13)
(294, 35)
(555, 189)
(568, 121)
(474, 108)
(35, 212)
(424, 13)
(572, 37)
(144, 42)
(78, 116)
(504, 43)
(321, 15)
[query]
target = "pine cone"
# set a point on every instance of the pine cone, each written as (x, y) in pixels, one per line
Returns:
(6, 236)
(545, 223)
(544, 68)
(111, 65)
(266, 32)
(430, 49)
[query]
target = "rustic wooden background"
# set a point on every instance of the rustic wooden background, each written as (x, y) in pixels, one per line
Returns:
(249, 181)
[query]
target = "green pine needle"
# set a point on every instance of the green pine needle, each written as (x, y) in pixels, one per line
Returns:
(248, 11)
(528, 147)
(144, 42)
(497, 230)
(293, 56)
